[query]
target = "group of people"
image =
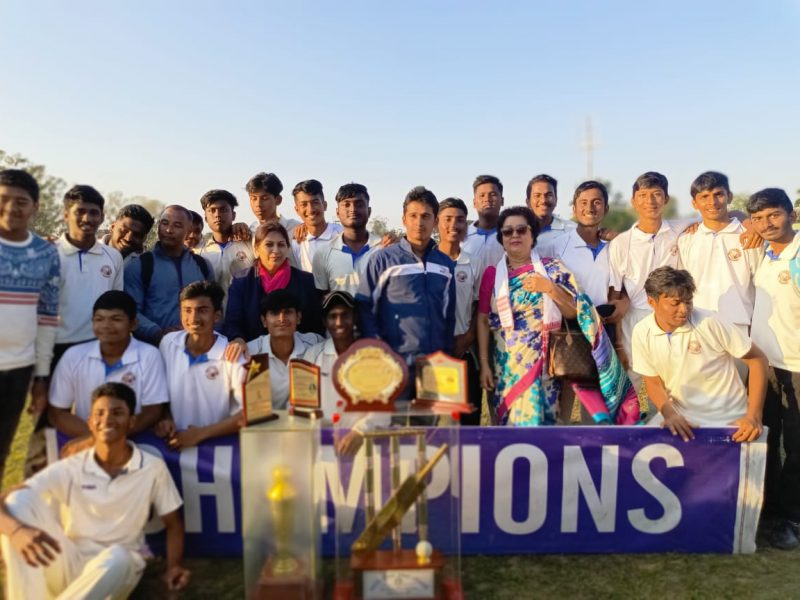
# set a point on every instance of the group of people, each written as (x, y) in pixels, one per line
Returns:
(692, 320)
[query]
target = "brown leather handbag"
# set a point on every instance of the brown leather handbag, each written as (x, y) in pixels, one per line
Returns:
(570, 355)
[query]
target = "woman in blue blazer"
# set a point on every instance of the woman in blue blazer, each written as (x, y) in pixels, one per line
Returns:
(270, 272)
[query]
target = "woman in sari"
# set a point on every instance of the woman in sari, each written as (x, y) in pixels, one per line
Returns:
(522, 299)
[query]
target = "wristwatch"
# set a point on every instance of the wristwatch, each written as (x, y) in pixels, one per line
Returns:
(41, 379)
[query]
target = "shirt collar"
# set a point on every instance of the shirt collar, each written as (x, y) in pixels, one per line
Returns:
(475, 230)
(68, 249)
(635, 231)
(337, 241)
(214, 353)
(656, 330)
(407, 247)
(135, 463)
(733, 227)
(298, 349)
(788, 253)
(328, 234)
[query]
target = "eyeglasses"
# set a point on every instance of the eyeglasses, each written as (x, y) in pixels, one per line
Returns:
(520, 230)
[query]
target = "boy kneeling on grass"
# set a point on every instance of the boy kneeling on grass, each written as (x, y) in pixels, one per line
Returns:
(688, 365)
(74, 529)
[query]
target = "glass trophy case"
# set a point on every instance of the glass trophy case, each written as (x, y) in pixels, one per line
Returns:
(280, 516)
(386, 545)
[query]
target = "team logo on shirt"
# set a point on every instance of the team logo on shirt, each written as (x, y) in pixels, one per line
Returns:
(212, 372)
(105, 271)
(461, 276)
(128, 379)
(674, 250)
(784, 276)
(241, 255)
(693, 347)
(734, 254)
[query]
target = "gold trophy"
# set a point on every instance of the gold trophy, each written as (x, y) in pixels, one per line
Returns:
(282, 496)
(283, 576)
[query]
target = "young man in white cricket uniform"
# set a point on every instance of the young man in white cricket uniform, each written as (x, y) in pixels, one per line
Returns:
(340, 318)
(280, 311)
(310, 206)
(226, 255)
(114, 356)
(338, 265)
(541, 196)
(75, 529)
(776, 323)
(88, 267)
(650, 243)
(205, 390)
(481, 239)
(452, 227)
(715, 256)
(688, 362)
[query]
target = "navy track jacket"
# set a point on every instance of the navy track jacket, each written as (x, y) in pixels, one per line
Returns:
(409, 303)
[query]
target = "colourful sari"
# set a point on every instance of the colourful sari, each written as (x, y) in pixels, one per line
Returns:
(525, 394)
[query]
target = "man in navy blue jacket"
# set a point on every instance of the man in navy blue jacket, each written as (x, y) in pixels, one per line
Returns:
(155, 279)
(407, 297)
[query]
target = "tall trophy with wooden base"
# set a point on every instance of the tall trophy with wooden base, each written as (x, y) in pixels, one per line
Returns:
(280, 509)
(391, 549)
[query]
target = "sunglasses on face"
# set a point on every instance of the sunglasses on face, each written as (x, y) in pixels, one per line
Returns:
(520, 230)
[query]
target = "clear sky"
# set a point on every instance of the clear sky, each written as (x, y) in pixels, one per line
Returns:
(171, 99)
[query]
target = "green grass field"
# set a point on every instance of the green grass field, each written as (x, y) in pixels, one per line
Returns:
(766, 574)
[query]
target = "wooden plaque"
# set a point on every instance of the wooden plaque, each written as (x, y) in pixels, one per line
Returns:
(442, 383)
(369, 376)
(304, 388)
(257, 394)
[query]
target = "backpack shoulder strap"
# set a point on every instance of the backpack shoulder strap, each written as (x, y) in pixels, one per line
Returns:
(147, 262)
(202, 264)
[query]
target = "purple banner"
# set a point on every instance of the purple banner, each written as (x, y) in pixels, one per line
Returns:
(536, 490)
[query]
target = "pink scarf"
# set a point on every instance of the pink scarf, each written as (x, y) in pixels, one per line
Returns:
(278, 281)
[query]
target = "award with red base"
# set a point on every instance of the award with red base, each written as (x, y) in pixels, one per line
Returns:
(442, 383)
(304, 389)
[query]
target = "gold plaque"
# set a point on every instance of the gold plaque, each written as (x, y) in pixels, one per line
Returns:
(257, 396)
(304, 388)
(369, 376)
(442, 383)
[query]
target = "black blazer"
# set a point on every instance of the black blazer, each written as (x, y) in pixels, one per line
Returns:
(243, 311)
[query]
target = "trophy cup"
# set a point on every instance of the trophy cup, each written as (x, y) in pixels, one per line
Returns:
(284, 576)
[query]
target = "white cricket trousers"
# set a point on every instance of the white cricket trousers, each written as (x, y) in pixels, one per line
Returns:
(112, 573)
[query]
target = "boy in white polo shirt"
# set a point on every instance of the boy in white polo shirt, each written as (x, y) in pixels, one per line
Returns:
(114, 356)
(541, 196)
(74, 530)
(452, 227)
(714, 254)
(650, 243)
(205, 390)
(688, 363)
(310, 205)
(339, 264)
(88, 267)
(280, 312)
(481, 240)
(226, 255)
(776, 329)
(339, 309)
